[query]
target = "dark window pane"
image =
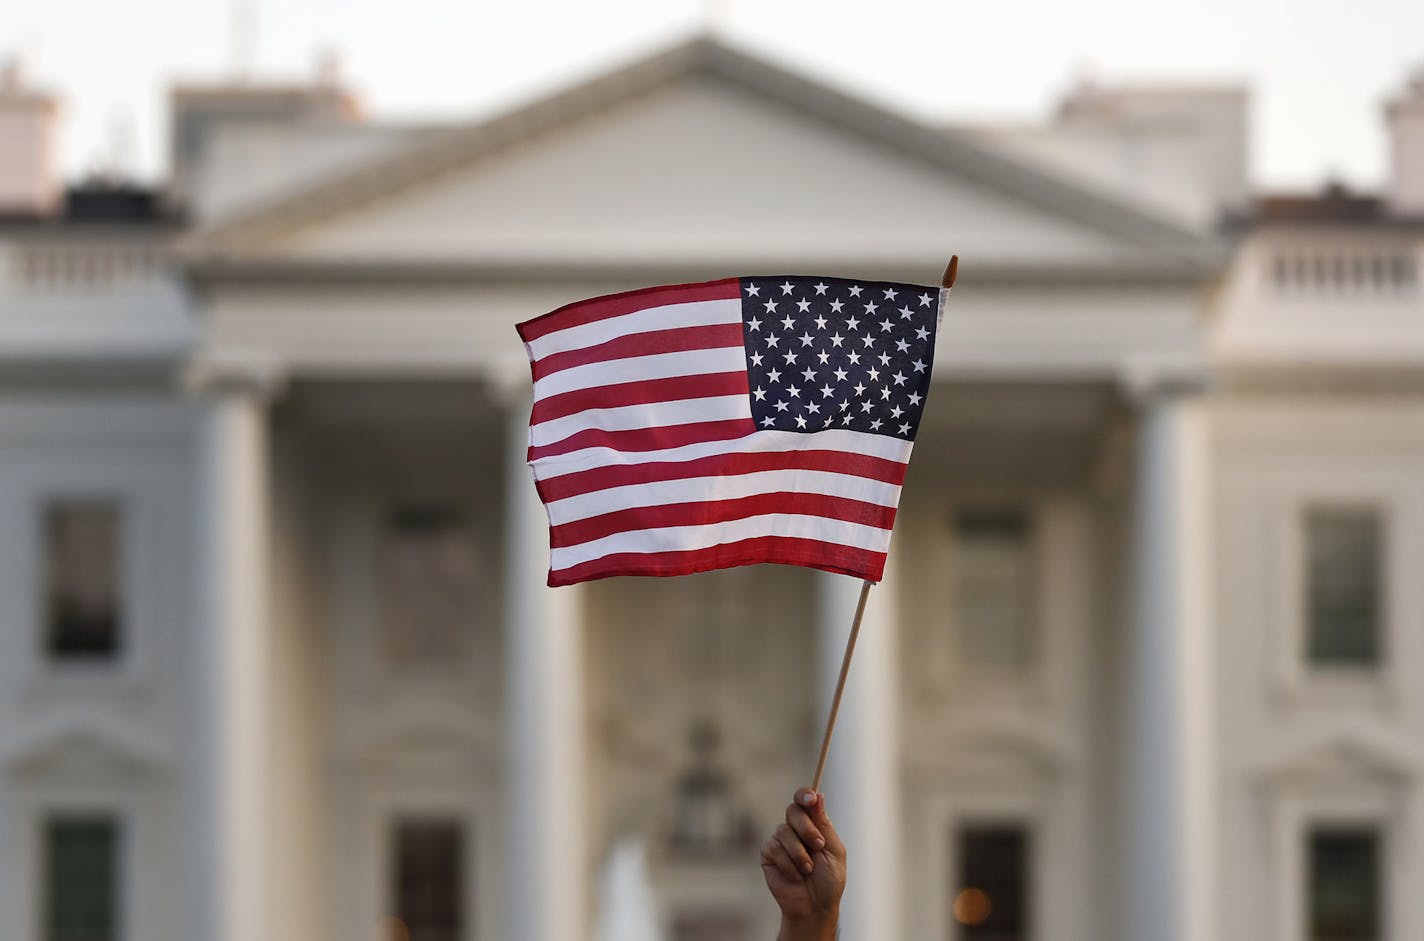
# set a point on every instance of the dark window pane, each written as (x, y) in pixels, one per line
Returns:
(1344, 885)
(428, 579)
(81, 879)
(710, 926)
(990, 900)
(1343, 586)
(82, 579)
(429, 879)
(993, 588)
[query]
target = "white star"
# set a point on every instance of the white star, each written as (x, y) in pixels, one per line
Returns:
(885, 325)
(845, 405)
(855, 291)
(921, 333)
(795, 392)
(924, 300)
(884, 359)
(865, 406)
(896, 412)
(874, 374)
(753, 324)
(885, 393)
(854, 359)
(905, 428)
(868, 340)
(771, 340)
(852, 323)
(899, 381)
(800, 422)
(803, 305)
(809, 374)
(820, 323)
(820, 288)
(789, 357)
(824, 357)
(902, 345)
(875, 425)
(805, 339)
(752, 289)
(840, 375)
(859, 389)
(760, 393)
(774, 376)
(837, 339)
(870, 307)
(812, 407)
(906, 313)
(827, 392)
(914, 398)
(781, 406)
(770, 306)
(786, 288)
(768, 421)
(845, 419)
(919, 365)
(756, 359)
(788, 323)
(836, 307)
(889, 294)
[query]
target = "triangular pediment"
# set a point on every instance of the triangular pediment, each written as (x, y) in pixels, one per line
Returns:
(704, 155)
(1345, 751)
(82, 746)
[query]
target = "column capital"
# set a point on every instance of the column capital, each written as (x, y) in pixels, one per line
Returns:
(261, 376)
(1145, 379)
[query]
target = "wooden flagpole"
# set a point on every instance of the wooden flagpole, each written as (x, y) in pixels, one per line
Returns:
(951, 273)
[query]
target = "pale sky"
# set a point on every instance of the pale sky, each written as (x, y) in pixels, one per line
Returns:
(1319, 71)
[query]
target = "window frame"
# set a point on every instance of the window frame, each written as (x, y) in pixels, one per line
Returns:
(44, 827)
(124, 581)
(1383, 652)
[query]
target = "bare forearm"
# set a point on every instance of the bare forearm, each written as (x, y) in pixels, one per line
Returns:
(821, 928)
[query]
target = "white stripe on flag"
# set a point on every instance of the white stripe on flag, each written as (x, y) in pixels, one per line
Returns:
(832, 439)
(730, 487)
(684, 538)
(640, 368)
(651, 415)
(664, 317)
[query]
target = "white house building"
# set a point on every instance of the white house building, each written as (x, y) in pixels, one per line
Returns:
(1146, 664)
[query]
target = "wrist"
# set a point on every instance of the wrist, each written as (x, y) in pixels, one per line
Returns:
(820, 926)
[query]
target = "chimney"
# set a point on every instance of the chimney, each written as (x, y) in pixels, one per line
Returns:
(29, 166)
(1405, 116)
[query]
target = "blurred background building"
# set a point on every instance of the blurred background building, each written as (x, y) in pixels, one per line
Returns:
(280, 663)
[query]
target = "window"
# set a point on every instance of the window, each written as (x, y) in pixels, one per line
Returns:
(991, 891)
(82, 613)
(1343, 550)
(428, 582)
(710, 926)
(428, 878)
(994, 588)
(1344, 884)
(81, 879)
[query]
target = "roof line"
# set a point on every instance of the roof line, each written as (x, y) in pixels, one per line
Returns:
(946, 149)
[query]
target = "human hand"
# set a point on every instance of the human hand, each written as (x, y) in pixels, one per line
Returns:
(804, 862)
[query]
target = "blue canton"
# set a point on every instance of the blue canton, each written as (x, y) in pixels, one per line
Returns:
(832, 353)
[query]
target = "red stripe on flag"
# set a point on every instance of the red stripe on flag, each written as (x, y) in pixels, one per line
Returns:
(641, 392)
(784, 550)
(647, 439)
(615, 305)
(676, 340)
(749, 462)
(720, 511)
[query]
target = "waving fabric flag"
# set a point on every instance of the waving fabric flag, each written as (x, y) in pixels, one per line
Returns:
(701, 426)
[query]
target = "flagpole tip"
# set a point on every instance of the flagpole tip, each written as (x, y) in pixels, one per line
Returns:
(951, 272)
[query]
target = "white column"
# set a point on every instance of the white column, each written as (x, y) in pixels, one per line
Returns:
(230, 853)
(862, 778)
(1169, 822)
(546, 889)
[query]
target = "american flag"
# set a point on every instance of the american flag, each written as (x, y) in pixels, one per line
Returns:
(700, 426)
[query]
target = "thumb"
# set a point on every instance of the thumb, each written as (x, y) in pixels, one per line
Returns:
(814, 803)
